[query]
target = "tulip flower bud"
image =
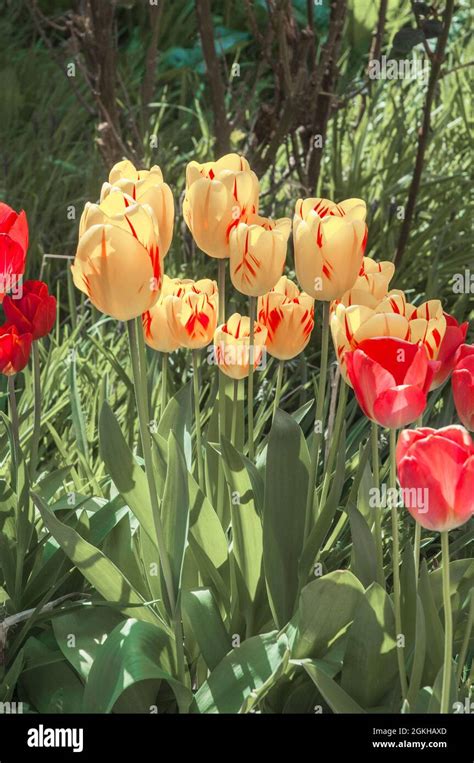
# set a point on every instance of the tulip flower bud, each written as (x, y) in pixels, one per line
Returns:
(371, 285)
(232, 346)
(391, 378)
(258, 253)
(145, 187)
(117, 262)
(288, 316)
(462, 382)
(192, 315)
(392, 317)
(34, 312)
(438, 464)
(219, 195)
(329, 241)
(454, 336)
(13, 248)
(14, 349)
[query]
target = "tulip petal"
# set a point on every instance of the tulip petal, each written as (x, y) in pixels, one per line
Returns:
(399, 406)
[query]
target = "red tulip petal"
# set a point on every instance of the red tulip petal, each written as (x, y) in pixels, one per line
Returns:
(394, 355)
(399, 406)
(408, 437)
(464, 507)
(368, 379)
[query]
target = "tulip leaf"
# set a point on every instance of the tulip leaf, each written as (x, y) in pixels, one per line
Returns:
(338, 700)
(128, 477)
(77, 414)
(96, 568)
(134, 652)
(51, 685)
(435, 643)
(370, 661)
(89, 627)
(286, 485)
(246, 669)
(247, 539)
(177, 418)
(419, 653)
(202, 617)
(337, 595)
(364, 558)
(175, 509)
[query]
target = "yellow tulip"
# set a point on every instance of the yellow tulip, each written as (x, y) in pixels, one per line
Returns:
(145, 187)
(192, 315)
(219, 195)
(158, 330)
(117, 261)
(371, 284)
(394, 317)
(329, 241)
(258, 253)
(288, 316)
(231, 346)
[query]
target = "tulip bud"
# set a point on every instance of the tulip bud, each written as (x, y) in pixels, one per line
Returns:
(232, 346)
(438, 464)
(329, 241)
(391, 378)
(219, 195)
(117, 262)
(145, 187)
(34, 312)
(14, 349)
(258, 253)
(462, 382)
(192, 316)
(371, 285)
(13, 248)
(288, 316)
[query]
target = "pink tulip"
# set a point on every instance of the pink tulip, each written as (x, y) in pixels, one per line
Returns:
(391, 378)
(436, 473)
(462, 382)
(454, 336)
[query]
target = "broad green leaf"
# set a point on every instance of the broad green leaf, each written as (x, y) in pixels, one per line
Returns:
(364, 562)
(286, 485)
(246, 669)
(325, 611)
(408, 586)
(175, 509)
(134, 652)
(247, 540)
(201, 616)
(338, 700)
(80, 633)
(50, 685)
(418, 661)
(129, 478)
(370, 661)
(96, 568)
(177, 418)
(435, 642)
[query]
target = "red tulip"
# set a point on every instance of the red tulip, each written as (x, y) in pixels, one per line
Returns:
(454, 336)
(14, 349)
(437, 465)
(391, 378)
(34, 312)
(462, 382)
(13, 246)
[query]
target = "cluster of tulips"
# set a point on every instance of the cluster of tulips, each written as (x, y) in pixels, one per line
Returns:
(390, 352)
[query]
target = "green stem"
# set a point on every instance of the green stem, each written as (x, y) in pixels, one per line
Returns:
(417, 545)
(149, 470)
(251, 443)
(37, 410)
(374, 438)
(15, 427)
(318, 423)
(235, 413)
(279, 381)
(396, 567)
(448, 627)
(221, 289)
(221, 266)
(336, 436)
(197, 418)
(164, 381)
